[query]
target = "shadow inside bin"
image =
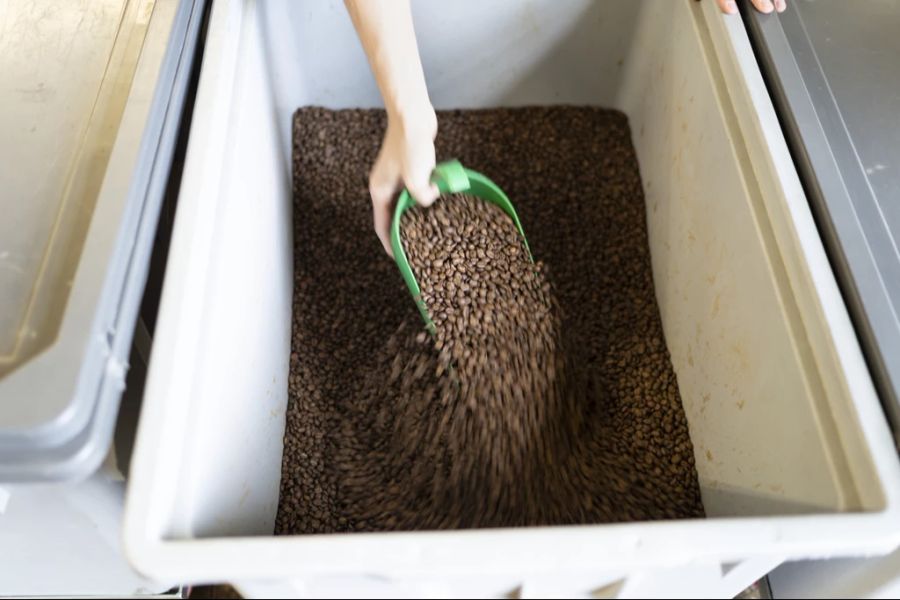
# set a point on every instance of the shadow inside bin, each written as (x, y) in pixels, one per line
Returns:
(579, 68)
(474, 56)
(721, 501)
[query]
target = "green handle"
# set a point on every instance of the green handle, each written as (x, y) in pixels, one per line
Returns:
(451, 178)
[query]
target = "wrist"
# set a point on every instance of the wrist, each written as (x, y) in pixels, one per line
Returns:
(414, 118)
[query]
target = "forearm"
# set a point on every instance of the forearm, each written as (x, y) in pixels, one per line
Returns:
(385, 28)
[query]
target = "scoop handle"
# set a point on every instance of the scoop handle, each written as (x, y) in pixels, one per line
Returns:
(450, 177)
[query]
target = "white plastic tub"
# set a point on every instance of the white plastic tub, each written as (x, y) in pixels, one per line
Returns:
(793, 452)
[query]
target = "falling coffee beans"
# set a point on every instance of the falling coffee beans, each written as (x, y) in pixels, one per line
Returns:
(546, 395)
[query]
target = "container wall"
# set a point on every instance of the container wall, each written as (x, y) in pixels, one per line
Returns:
(247, 320)
(764, 438)
(222, 343)
(475, 54)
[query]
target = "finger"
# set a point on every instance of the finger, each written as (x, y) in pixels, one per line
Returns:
(763, 6)
(417, 176)
(424, 193)
(780, 5)
(384, 182)
(381, 215)
(728, 6)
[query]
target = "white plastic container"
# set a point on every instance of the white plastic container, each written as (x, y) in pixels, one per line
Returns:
(794, 456)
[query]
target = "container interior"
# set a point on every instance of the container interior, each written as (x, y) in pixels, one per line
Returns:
(764, 425)
(90, 94)
(63, 93)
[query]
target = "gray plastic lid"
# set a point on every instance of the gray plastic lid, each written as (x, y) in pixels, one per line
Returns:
(91, 96)
(833, 68)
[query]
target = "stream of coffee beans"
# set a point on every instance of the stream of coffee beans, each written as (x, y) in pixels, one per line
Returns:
(546, 395)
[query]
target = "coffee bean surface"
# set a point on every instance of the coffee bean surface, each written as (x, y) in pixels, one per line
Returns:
(546, 395)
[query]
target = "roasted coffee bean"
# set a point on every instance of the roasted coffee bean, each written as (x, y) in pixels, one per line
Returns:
(546, 395)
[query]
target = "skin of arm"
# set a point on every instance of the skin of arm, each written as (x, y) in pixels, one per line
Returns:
(406, 158)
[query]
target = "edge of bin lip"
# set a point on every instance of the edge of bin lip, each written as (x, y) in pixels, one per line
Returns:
(713, 540)
(619, 546)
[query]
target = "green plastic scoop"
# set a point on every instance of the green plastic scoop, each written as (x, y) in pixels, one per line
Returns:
(451, 178)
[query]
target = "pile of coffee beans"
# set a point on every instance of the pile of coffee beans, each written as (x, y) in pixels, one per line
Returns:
(546, 395)
(475, 421)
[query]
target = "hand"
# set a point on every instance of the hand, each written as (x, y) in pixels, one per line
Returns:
(406, 159)
(764, 6)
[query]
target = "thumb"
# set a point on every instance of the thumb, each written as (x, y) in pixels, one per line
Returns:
(417, 176)
(383, 184)
(424, 193)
